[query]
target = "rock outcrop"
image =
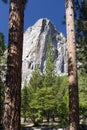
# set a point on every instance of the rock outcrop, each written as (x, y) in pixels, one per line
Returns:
(34, 48)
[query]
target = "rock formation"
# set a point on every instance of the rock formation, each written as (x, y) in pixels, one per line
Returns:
(34, 48)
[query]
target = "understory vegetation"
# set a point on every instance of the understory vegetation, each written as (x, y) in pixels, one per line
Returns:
(46, 95)
(40, 102)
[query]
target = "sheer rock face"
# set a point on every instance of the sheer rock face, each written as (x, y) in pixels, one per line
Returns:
(34, 48)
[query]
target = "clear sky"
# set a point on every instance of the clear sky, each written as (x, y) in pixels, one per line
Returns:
(54, 10)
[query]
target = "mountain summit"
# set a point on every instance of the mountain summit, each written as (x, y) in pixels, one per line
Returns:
(34, 48)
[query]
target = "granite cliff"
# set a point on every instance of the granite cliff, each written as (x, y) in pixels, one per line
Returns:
(34, 48)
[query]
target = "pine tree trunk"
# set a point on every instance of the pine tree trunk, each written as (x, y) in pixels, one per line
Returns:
(11, 119)
(72, 68)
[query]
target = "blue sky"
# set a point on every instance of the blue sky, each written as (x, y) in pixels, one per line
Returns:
(54, 10)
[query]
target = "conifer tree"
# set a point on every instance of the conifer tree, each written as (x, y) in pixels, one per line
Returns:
(50, 64)
(72, 67)
(36, 79)
(35, 84)
(11, 118)
(25, 101)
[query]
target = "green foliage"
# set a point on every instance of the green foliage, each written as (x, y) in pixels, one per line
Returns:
(47, 93)
(81, 33)
(2, 70)
(63, 114)
(83, 97)
(36, 80)
(63, 102)
(2, 44)
(30, 93)
(1, 100)
(49, 102)
(36, 106)
(43, 103)
(80, 11)
(50, 64)
(25, 102)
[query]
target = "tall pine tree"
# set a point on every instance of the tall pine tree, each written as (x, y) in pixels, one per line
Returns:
(50, 64)
(11, 118)
(72, 67)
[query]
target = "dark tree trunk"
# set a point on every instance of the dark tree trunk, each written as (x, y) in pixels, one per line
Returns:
(48, 117)
(72, 68)
(11, 119)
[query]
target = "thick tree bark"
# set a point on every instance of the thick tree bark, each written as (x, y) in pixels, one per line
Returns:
(11, 119)
(72, 68)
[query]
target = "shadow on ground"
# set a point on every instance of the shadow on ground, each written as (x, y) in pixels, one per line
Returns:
(38, 128)
(82, 127)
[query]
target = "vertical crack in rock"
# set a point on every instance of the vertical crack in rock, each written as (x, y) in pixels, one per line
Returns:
(34, 48)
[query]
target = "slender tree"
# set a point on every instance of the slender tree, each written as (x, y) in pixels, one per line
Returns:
(11, 118)
(72, 67)
(24, 102)
(50, 64)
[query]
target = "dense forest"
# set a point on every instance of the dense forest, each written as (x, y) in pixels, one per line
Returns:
(48, 96)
